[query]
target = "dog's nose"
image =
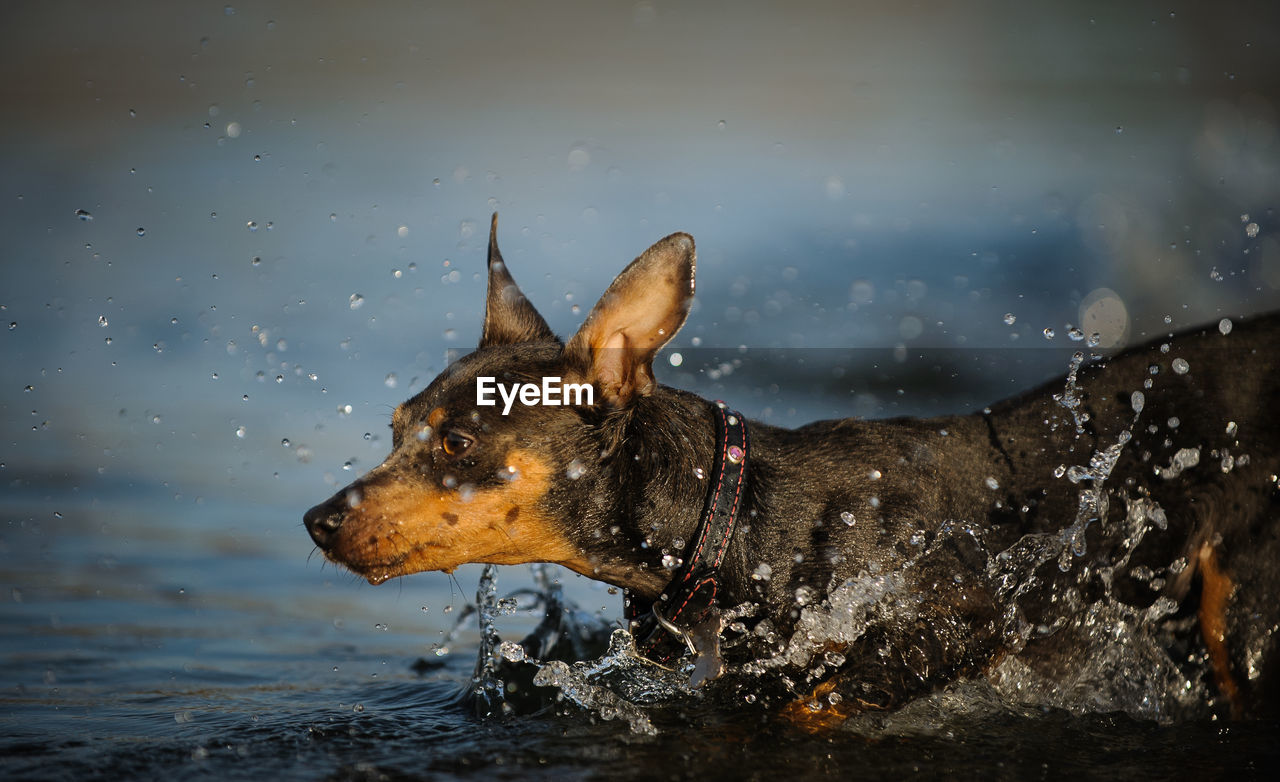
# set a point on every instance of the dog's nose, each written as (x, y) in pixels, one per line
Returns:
(325, 519)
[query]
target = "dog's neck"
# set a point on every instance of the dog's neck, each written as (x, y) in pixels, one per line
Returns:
(658, 471)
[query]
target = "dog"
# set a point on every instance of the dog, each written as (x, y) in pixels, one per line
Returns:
(1149, 479)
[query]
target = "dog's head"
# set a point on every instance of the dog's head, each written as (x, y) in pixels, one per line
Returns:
(484, 466)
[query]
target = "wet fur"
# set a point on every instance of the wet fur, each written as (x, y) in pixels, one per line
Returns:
(639, 494)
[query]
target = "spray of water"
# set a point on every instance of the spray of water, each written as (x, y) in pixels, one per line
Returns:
(1116, 659)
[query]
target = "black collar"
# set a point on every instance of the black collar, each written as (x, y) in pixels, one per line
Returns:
(665, 627)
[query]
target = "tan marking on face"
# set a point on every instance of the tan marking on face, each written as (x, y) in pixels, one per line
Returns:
(406, 526)
(435, 418)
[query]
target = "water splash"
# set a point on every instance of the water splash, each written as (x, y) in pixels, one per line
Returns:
(561, 654)
(1093, 501)
(1072, 640)
(634, 676)
(487, 687)
(840, 618)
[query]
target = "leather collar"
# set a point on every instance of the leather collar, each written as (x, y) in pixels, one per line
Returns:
(687, 608)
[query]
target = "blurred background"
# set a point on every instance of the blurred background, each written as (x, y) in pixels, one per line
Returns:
(235, 236)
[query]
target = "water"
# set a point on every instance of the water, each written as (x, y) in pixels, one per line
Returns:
(236, 681)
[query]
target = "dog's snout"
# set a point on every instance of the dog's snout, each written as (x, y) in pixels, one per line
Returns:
(325, 519)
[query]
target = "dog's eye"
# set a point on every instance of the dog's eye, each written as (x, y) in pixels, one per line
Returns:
(455, 442)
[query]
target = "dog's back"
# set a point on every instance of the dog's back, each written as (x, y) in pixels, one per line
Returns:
(1179, 440)
(1146, 481)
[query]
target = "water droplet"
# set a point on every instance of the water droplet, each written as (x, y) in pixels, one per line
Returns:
(102, 321)
(1048, 333)
(241, 432)
(721, 125)
(699, 472)
(1224, 325)
(141, 231)
(84, 215)
(762, 572)
(344, 409)
(390, 381)
(847, 518)
(1075, 334)
(874, 475)
(511, 651)
(1010, 319)
(579, 158)
(1231, 428)
(1181, 366)
(285, 442)
(252, 225)
(1137, 399)
(992, 483)
(575, 470)
(675, 359)
(355, 301)
(1251, 230)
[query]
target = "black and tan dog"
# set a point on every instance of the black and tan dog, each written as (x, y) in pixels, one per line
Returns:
(643, 488)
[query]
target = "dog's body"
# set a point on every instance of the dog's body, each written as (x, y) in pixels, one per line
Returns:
(610, 489)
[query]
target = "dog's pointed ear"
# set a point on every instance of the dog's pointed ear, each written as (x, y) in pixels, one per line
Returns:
(509, 318)
(643, 308)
